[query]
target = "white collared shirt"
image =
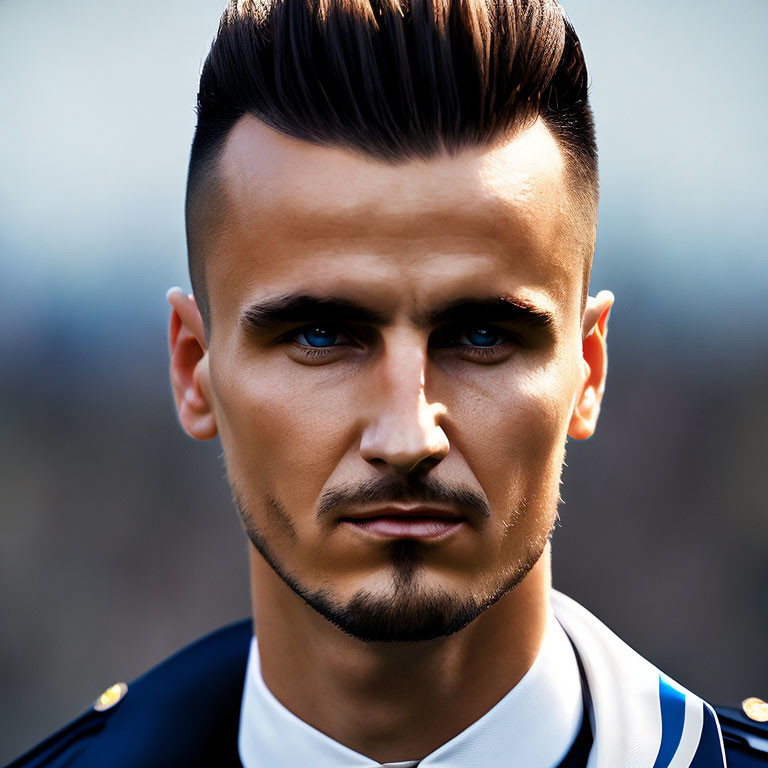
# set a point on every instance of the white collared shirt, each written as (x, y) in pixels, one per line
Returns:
(533, 726)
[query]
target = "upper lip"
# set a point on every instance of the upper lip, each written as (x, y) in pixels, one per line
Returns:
(397, 510)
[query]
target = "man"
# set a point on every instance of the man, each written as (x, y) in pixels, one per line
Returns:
(391, 216)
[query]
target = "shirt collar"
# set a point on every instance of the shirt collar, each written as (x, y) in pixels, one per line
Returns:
(533, 726)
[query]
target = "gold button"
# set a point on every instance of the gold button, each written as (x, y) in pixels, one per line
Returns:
(110, 697)
(755, 709)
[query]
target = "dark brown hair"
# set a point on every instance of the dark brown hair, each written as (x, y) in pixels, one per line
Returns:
(394, 79)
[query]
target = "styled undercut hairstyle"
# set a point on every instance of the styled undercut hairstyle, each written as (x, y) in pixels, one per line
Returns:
(393, 79)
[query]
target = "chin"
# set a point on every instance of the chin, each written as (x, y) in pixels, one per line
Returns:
(410, 610)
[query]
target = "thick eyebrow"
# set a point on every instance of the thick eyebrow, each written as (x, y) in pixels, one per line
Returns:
(296, 308)
(501, 309)
(275, 312)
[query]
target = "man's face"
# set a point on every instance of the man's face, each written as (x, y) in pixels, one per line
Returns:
(394, 357)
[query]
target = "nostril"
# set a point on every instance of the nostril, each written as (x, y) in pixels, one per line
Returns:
(411, 464)
(425, 465)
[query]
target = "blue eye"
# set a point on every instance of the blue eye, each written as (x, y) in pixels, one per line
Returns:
(483, 337)
(318, 336)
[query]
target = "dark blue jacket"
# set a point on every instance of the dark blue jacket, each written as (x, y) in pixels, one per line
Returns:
(186, 711)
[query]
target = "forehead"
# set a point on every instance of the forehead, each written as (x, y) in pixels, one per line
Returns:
(297, 212)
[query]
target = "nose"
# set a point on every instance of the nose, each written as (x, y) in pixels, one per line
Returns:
(403, 430)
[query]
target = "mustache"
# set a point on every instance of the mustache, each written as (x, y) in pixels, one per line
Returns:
(415, 489)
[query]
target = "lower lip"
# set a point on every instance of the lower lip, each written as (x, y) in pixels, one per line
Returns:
(407, 527)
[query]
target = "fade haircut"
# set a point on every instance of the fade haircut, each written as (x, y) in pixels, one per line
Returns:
(394, 79)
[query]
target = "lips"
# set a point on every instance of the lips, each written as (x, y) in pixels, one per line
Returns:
(406, 522)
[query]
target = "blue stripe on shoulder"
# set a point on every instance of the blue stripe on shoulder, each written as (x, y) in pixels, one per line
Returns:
(672, 703)
(710, 752)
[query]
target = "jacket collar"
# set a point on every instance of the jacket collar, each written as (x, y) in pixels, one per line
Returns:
(643, 719)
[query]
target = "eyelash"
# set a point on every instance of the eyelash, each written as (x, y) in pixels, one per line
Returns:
(488, 353)
(315, 351)
(477, 352)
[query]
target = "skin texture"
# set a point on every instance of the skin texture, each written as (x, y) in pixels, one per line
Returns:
(395, 403)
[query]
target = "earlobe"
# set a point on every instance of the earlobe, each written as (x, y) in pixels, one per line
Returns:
(189, 367)
(586, 407)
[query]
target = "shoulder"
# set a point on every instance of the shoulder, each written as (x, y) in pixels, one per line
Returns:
(622, 684)
(185, 711)
(745, 733)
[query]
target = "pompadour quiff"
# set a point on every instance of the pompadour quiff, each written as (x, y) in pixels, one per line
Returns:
(393, 79)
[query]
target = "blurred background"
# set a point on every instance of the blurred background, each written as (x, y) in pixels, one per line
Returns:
(119, 543)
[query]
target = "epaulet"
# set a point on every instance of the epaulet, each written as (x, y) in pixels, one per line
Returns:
(745, 733)
(185, 711)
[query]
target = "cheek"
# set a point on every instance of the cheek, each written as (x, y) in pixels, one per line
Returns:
(512, 435)
(281, 434)
(538, 412)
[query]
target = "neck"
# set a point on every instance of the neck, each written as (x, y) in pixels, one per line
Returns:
(395, 701)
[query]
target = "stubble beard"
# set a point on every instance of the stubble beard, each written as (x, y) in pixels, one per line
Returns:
(411, 612)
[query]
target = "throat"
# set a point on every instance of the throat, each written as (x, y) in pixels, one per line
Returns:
(396, 701)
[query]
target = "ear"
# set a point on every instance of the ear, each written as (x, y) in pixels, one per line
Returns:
(189, 367)
(594, 330)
